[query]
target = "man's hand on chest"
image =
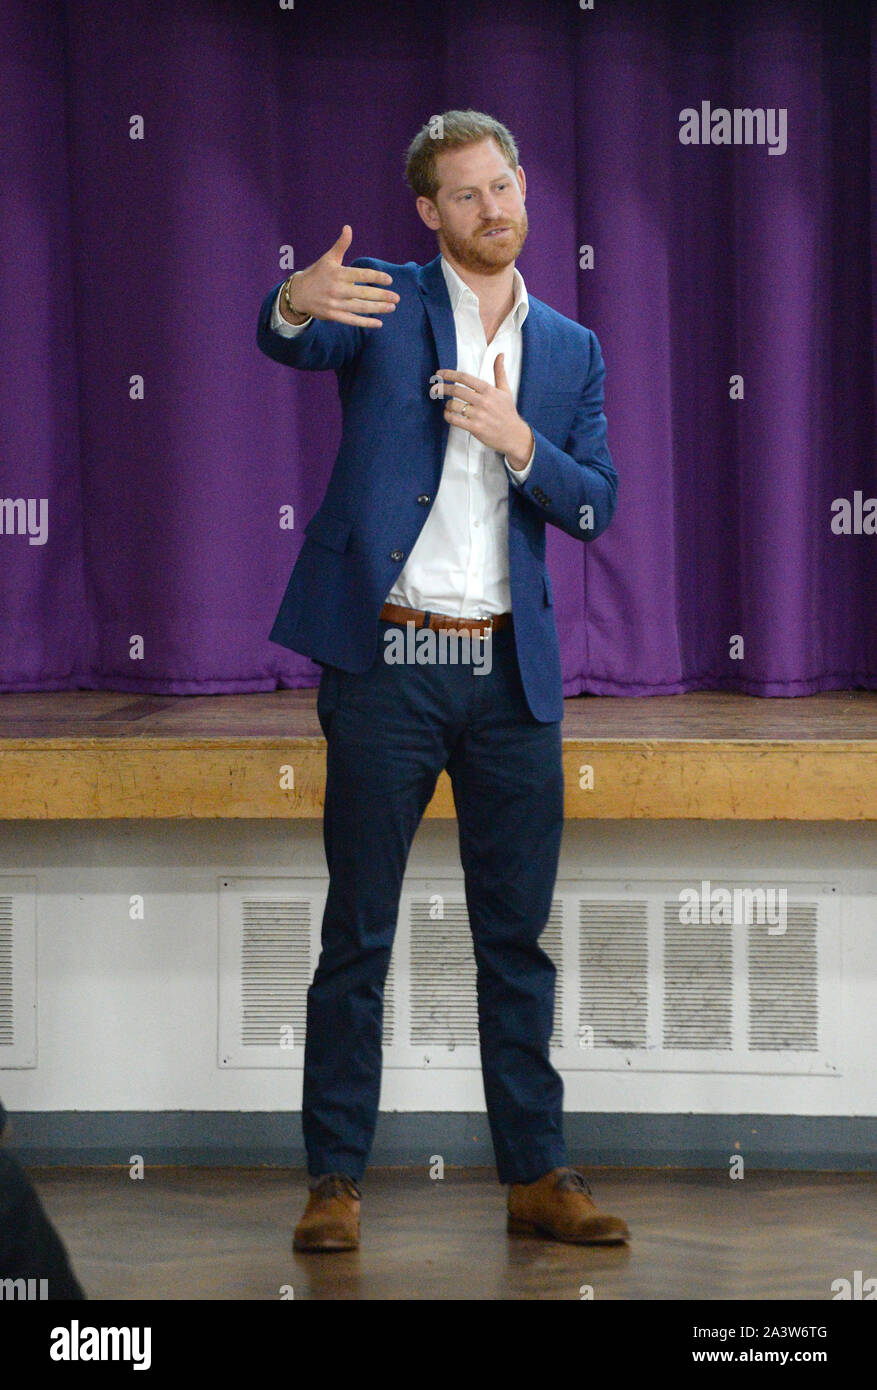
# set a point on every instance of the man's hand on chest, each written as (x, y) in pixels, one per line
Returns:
(486, 411)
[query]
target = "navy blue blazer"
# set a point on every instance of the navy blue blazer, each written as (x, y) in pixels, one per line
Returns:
(388, 467)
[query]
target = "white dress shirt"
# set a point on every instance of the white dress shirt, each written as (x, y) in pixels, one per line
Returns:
(459, 564)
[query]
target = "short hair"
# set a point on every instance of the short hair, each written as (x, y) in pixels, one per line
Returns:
(452, 131)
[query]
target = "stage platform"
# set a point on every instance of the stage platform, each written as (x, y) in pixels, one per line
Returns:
(93, 755)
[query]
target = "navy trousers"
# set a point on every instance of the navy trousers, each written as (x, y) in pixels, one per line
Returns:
(390, 731)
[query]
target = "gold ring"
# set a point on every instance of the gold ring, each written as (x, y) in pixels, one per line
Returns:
(465, 410)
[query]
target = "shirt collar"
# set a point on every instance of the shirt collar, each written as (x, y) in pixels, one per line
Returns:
(459, 290)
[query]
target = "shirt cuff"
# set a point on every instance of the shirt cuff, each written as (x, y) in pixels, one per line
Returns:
(280, 325)
(520, 475)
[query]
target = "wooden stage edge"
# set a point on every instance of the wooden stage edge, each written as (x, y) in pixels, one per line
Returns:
(95, 755)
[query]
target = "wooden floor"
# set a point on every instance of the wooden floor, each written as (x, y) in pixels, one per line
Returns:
(226, 1234)
(707, 755)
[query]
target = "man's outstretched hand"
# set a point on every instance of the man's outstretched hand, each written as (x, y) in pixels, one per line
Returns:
(330, 290)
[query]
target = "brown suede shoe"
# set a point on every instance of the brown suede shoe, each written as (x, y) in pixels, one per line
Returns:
(559, 1206)
(331, 1217)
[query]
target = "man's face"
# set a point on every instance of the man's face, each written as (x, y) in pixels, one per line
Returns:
(478, 210)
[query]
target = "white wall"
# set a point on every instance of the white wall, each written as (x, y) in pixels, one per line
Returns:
(127, 1011)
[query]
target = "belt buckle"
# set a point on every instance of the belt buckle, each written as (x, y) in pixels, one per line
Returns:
(488, 618)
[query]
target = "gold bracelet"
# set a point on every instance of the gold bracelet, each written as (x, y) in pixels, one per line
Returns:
(286, 299)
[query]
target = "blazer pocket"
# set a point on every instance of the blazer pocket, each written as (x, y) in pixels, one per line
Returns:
(331, 531)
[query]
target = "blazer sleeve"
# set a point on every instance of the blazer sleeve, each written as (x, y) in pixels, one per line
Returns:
(322, 346)
(576, 487)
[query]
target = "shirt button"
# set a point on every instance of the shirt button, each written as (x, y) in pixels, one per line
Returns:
(397, 554)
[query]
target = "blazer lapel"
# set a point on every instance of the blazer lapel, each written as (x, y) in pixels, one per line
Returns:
(535, 348)
(437, 303)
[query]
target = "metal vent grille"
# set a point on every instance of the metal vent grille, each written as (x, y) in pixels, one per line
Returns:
(444, 1006)
(784, 984)
(269, 947)
(18, 972)
(651, 992)
(7, 1002)
(388, 1030)
(613, 973)
(551, 942)
(275, 971)
(698, 984)
(721, 994)
(444, 995)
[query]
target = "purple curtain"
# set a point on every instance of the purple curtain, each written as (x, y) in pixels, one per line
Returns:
(159, 518)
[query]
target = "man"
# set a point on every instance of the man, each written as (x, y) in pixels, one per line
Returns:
(472, 414)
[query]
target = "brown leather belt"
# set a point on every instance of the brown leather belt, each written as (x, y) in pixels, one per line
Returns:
(395, 613)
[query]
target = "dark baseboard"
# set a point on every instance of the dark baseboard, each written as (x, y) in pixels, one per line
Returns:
(220, 1138)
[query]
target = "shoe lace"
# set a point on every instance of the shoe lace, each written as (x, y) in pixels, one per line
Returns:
(335, 1185)
(569, 1178)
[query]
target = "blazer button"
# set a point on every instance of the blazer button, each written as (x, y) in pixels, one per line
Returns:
(397, 554)
(424, 499)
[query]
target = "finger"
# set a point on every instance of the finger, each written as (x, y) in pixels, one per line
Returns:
(353, 289)
(359, 305)
(502, 381)
(363, 274)
(475, 383)
(458, 393)
(456, 417)
(358, 320)
(337, 252)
